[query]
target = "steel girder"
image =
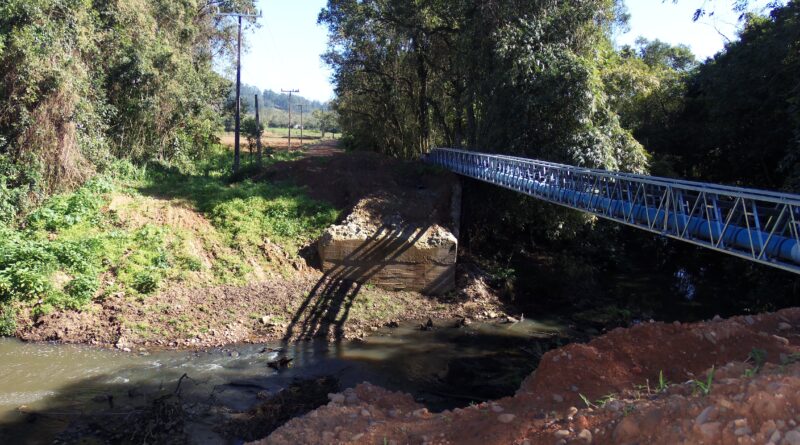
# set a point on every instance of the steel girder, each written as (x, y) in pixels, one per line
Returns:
(757, 225)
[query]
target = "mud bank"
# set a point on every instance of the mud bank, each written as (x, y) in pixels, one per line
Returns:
(306, 306)
(614, 389)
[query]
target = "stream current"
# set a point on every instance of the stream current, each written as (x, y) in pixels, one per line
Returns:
(46, 387)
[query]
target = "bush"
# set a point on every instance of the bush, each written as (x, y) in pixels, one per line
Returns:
(8, 320)
(145, 282)
(75, 256)
(64, 211)
(82, 290)
(22, 283)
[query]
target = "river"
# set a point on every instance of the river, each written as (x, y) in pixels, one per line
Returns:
(45, 388)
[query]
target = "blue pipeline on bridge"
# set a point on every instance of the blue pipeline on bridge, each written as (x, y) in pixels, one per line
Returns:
(757, 225)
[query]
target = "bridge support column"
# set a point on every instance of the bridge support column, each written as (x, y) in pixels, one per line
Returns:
(380, 247)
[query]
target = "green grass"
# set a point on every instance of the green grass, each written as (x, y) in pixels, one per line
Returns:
(245, 212)
(759, 358)
(704, 386)
(73, 250)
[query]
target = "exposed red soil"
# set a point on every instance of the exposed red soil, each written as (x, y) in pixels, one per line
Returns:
(739, 408)
(346, 178)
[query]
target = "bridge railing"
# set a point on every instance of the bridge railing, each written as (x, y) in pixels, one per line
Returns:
(757, 225)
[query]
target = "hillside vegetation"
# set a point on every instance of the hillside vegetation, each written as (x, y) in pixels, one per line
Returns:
(86, 83)
(135, 230)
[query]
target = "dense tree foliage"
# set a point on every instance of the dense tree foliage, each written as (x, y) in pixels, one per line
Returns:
(741, 123)
(86, 81)
(737, 122)
(480, 74)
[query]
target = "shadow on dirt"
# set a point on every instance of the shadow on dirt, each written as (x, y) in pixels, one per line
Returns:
(326, 308)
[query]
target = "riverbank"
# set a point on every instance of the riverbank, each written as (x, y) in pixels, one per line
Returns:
(154, 257)
(304, 306)
(721, 381)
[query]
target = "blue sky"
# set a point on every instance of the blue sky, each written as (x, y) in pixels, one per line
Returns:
(672, 23)
(285, 51)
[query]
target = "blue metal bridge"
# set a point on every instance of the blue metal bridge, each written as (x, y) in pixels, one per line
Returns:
(756, 225)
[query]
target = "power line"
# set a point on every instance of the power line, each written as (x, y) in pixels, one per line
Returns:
(290, 113)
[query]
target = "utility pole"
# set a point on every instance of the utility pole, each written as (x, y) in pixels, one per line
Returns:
(258, 131)
(290, 112)
(238, 82)
(301, 125)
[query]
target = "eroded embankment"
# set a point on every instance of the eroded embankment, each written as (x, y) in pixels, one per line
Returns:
(302, 307)
(237, 262)
(614, 389)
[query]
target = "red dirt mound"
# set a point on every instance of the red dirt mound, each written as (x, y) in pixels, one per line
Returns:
(742, 404)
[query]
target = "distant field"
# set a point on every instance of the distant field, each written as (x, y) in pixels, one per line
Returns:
(296, 132)
(279, 138)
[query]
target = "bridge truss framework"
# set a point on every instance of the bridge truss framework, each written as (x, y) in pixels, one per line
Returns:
(757, 225)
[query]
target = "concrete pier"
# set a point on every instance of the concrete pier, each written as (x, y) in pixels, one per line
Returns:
(377, 246)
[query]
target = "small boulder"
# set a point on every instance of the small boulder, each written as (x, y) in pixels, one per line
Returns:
(585, 436)
(561, 434)
(506, 418)
(626, 431)
(792, 438)
(711, 431)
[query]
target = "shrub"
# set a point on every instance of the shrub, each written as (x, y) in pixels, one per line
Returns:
(81, 289)
(76, 256)
(145, 282)
(64, 211)
(8, 320)
(22, 283)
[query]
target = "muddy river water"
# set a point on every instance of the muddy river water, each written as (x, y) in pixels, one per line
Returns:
(44, 388)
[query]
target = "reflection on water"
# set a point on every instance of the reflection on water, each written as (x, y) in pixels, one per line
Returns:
(684, 284)
(443, 368)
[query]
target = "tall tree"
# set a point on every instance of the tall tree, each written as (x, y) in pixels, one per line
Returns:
(411, 74)
(741, 124)
(84, 81)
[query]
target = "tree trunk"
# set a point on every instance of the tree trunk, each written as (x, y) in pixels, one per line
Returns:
(422, 110)
(471, 130)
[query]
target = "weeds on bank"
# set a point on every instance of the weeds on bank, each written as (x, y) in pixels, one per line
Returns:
(73, 250)
(245, 212)
(599, 403)
(704, 386)
(663, 384)
(758, 357)
(638, 393)
(791, 358)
